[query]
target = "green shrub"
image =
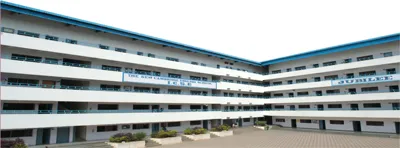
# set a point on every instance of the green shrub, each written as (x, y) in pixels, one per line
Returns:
(261, 123)
(127, 137)
(198, 131)
(188, 131)
(20, 145)
(221, 128)
(164, 134)
(139, 136)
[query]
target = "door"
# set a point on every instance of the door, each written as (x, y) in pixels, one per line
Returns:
(396, 106)
(320, 107)
(48, 84)
(294, 125)
(292, 107)
(45, 108)
(322, 125)
(205, 124)
(155, 127)
(43, 136)
(397, 126)
(354, 106)
(62, 135)
(269, 120)
(357, 126)
(240, 122)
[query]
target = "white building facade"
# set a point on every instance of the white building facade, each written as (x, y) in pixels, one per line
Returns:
(68, 80)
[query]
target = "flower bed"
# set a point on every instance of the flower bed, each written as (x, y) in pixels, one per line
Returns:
(127, 140)
(196, 134)
(166, 137)
(262, 125)
(17, 143)
(222, 131)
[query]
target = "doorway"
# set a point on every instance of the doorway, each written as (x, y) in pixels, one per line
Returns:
(205, 124)
(322, 125)
(294, 124)
(45, 108)
(354, 106)
(240, 122)
(155, 127)
(79, 134)
(357, 126)
(320, 107)
(62, 135)
(397, 126)
(268, 119)
(43, 136)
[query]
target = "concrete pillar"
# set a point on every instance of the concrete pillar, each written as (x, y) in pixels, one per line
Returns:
(71, 134)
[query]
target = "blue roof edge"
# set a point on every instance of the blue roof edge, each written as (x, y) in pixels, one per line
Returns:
(338, 48)
(109, 29)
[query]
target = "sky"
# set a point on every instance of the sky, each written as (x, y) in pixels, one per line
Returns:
(258, 30)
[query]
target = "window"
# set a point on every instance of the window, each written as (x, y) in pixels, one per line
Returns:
(110, 68)
(333, 91)
(156, 73)
(195, 107)
(367, 73)
(107, 128)
(142, 72)
(140, 126)
(336, 122)
(174, 91)
(369, 57)
(126, 126)
(171, 75)
(391, 71)
(20, 57)
(350, 75)
(23, 82)
(277, 83)
(50, 61)
(275, 95)
(288, 69)
(195, 78)
(204, 79)
(26, 33)
(53, 38)
(16, 133)
(174, 106)
(18, 106)
(334, 105)
(140, 53)
(369, 89)
(172, 59)
(349, 60)
(305, 121)
(276, 71)
(195, 63)
(103, 47)
(156, 90)
(71, 41)
(290, 82)
(202, 64)
(329, 63)
(193, 92)
(372, 105)
(300, 68)
(110, 87)
(301, 80)
(302, 93)
(387, 54)
(7, 30)
(107, 107)
(304, 106)
(151, 55)
(128, 70)
(279, 107)
(332, 77)
(375, 123)
(279, 120)
(195, 122)
(317, 79)
(141, 89)
(173, 124)
(315, 65)
(141, 107)
(120, 50)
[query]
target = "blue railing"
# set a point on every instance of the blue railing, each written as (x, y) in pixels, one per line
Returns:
(334, 109)
(335, 94)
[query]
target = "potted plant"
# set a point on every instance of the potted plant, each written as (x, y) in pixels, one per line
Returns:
(222, 131)
(127, 140)
(196, 133)
(166, 137)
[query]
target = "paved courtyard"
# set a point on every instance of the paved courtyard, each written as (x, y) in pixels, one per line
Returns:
(291, 139)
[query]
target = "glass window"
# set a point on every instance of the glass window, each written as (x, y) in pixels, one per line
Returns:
(143, 72)
(140, 126)
(334, 91)
(107, 106)
(391, 71)
(332, 77)
(329, 63)
(202, 64)
(174, 107)
(288, 69)
(141, 107)
(156, 73)
(16, 133)
(300, 68)
(246, 119)
(103, 47)
(369, 89)
(107, 128)
(301, 80)
(276, 95)
(53, 38)
(128, 70)
(367, 73)
(26, 33)
(141, 89)
(7, 30)
(110, 87)
(194, 63)
(302, 93)
(195, 122)
(20, 57)
(174, 91)
(305, 121)
(363, 58)
(172, 75)
(277, 83)
(349, 60)
(204, 79)
(372, 105)
(120, 50)
(350, 75)
(304, 106)
(140, 53)
(276, 71)
(279, 120)
(110, 68)
(317, 79)
(290, 82)
(195, 78)
(18, 106)
(173, 124)
(334, 105)
(336, 122)
(172, 59)
(375, 123)
(50, 61)
(126, 126)
(151, 55)
(387, 54)
(71, 41)
(194, 107)
(23, 82)
(315, 65)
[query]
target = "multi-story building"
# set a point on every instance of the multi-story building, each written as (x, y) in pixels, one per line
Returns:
(67, 80)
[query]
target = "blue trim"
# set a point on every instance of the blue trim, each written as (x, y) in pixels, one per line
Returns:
(339, 48)
(95, 26)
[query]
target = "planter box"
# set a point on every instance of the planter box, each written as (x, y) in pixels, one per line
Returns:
(133, 144)
(260, 127)
(166, 141)
(223, 133)
(198, 137)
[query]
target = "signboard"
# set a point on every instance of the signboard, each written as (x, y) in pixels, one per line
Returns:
(371, 79)
(148, 79)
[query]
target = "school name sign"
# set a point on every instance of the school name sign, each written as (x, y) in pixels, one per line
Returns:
(128, 77)
(372, 79)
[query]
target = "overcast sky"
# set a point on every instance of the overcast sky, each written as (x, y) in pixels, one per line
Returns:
(255, 30)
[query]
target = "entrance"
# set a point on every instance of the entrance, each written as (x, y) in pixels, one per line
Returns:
(322, 125)
(43, 136)
(397, 126)
(294, 124)
(354, 106)
(320, 107)
(45, 108)
(240, 122)
(79, 133)
(269, 120)
(205, 124)
(155, 127)
(357, 126)
(62, 135)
